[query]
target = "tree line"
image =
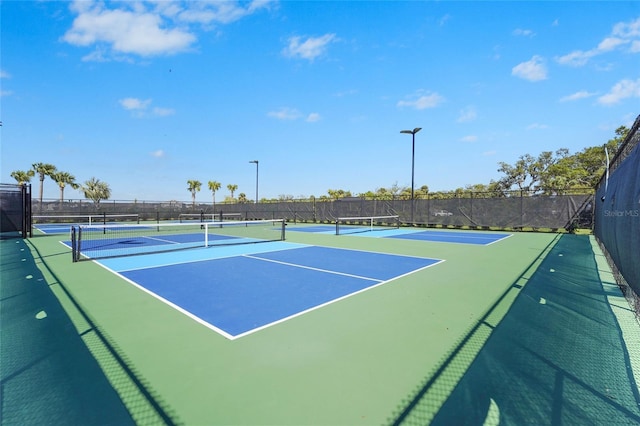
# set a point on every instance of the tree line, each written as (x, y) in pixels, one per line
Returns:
(93, 189)
(547, 173)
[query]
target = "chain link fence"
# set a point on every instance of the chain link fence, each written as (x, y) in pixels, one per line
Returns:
(517, 210)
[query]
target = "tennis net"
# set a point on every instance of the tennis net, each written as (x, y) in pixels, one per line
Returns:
(353, 225)
(90, 219)
(209, 217)
(103, 241)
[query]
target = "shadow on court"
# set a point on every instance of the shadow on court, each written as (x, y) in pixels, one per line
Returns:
(48, 374)
(557, 357)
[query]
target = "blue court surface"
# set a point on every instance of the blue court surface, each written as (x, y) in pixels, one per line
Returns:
(459, 237)
(477, 238)
(246, 289)
(53, 228)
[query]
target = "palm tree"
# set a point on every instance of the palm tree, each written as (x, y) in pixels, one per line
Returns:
(194, 186)
(232, 188)
(43, 169)
(96, 190)
(22, 177)
(213, 187)
(242, 197)
(63, 179)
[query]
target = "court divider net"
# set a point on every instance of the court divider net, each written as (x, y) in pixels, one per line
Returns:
(90, 219)
(209, 217)
(353, 225)
(104, 241)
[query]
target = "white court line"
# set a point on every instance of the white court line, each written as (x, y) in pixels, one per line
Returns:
(295, 265)
(327, 303)
(281, 320)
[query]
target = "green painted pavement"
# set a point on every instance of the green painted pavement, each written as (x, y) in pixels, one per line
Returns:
(358, 361)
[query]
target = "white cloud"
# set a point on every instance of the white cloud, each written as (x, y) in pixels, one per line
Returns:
(627, 29)
(162, 112)
(313, 117)
(285, 114)
(489, 153)
(126, 31)
(467, 114)
(148, 28)
(158, 154)
(223, 12)
(140, 108)
(3, 93)
(523, 33)
(442, 21)
(134, 103)
(532, 70)
(469, 138)
(576, 58)
(582, 94)
(420, 102)
(622, 34)
(310, 48)
(621, 90)
(610, 43)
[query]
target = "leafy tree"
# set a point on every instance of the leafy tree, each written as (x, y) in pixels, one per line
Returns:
(368, 194)
(63, 179)
(493, 189)
(242, 198)
(96, 190)
(529, 173)
(232, 188)
(22, 177)
(213, 187)
(193, 188)
(43, 170)
(556, 173)
(423, 191)
(336, 194)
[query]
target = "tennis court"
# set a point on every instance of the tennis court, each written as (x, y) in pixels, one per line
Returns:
(383, 327)
(238, 293)
(448, 236)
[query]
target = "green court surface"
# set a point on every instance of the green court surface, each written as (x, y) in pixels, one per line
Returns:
(528, 330)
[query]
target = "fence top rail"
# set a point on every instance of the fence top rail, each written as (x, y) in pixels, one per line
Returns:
(398, 197)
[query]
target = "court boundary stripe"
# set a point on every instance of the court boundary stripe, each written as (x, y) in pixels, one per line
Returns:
(329, 302)
(228, 336)
(171, 304)
(187, 261)
(295, 265)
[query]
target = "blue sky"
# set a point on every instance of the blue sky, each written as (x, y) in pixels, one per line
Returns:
(147, 95)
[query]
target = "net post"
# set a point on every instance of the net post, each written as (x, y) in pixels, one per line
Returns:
(76, 243)
(73, 244)
(282, 235)
(337, 227)
(206, 234)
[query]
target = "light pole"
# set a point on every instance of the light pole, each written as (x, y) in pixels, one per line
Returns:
(413, 157)
(256, 162)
